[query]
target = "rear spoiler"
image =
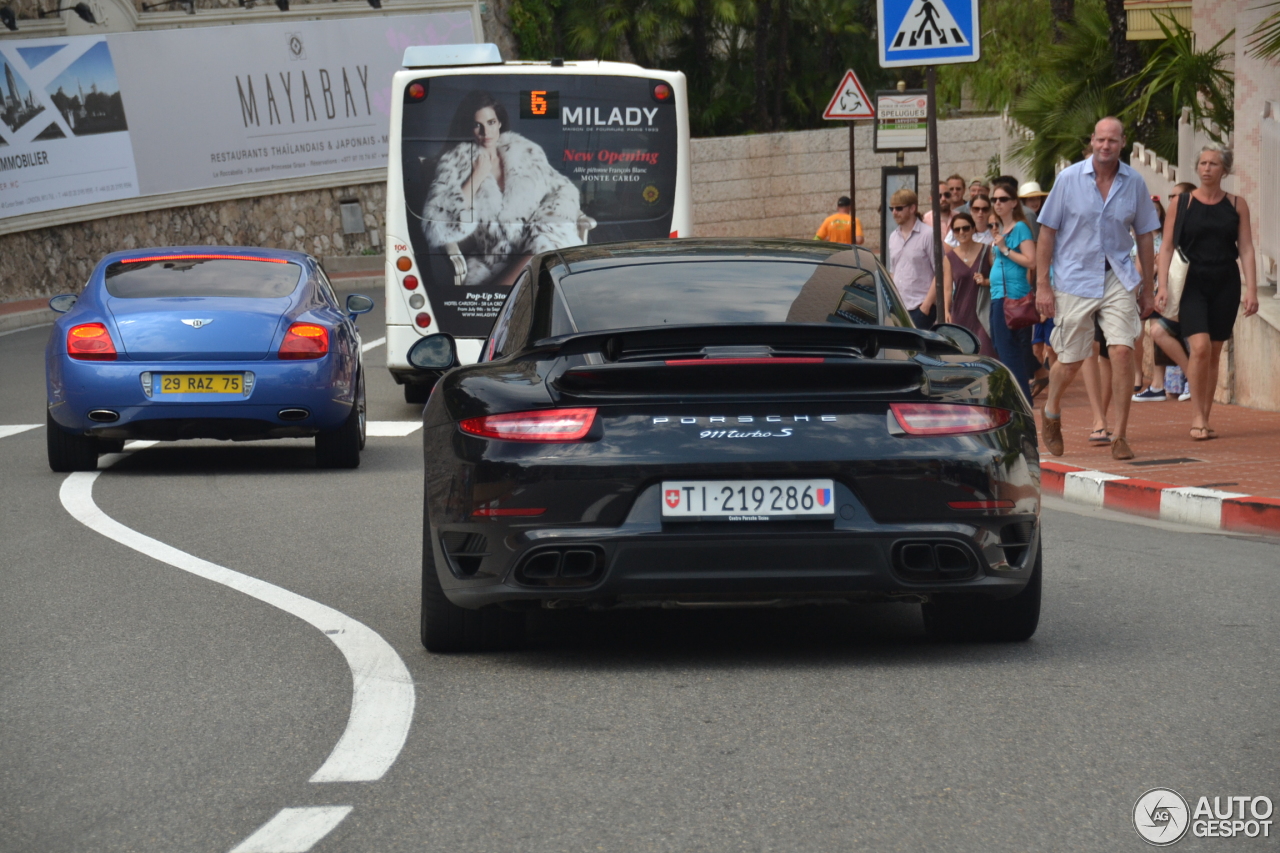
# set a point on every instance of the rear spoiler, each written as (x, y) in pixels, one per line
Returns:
(869, 341)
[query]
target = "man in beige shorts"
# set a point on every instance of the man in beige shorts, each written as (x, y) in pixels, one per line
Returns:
(1085, 228)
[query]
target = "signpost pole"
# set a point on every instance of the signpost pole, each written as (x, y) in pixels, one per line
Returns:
(853, 183)
(932, 84)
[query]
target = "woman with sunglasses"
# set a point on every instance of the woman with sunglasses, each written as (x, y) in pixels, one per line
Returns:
(1014, 253)
(980, 207)
(964, 279)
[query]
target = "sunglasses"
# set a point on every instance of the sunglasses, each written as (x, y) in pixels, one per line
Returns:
(899, 208)
(962, 229)
(1001, 198)
(979, 209)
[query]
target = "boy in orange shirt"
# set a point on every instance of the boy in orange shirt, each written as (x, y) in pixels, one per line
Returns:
(840, 227)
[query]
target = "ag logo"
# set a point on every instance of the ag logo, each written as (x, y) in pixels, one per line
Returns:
(673, 498)
(197, 324)
(1161, 816)
(296, 48)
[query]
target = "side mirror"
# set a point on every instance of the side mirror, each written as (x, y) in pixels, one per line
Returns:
(62, 304)
(434, 352)
(964, 339)
(357, 304)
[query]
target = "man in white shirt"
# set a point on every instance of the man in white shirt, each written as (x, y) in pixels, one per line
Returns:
(911, 259)
(1085, 227)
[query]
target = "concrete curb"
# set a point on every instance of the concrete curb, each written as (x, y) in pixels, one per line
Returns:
(26, 319)
(1180, 504)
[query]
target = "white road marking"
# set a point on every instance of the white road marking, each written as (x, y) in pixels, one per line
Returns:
(294, 830)
(382, 697)
(373, 344)
(14, 429)
(24, 329)
(384, 429)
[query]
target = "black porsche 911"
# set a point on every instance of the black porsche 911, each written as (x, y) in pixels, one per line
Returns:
(709, 423)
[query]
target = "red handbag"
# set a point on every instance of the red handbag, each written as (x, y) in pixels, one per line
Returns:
(1020, 313)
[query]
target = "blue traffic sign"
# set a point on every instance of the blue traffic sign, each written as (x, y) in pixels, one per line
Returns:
(927, 32)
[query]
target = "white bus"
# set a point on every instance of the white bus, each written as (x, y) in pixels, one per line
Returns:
(492, 162)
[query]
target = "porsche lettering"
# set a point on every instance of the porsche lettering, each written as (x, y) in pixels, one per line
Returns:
(746, 419)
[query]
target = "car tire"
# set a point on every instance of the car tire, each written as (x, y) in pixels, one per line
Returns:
(67, 451)
(446, 627)
(1010, 620)
(340, 448)
(416, 393)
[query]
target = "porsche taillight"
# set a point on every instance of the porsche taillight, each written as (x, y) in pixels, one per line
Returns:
(947, 418)
(90, 342)
(546, 425)
(305, 340)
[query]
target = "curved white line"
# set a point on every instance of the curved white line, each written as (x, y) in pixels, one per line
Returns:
(382, 695)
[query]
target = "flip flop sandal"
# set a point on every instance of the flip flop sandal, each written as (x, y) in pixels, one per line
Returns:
(1038, 385)
(1100, 436)
(1200, 434)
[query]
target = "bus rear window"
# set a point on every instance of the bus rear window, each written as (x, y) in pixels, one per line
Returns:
(167, 277)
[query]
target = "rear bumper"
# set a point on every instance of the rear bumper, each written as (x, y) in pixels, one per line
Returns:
(320, 394)
(646, 562)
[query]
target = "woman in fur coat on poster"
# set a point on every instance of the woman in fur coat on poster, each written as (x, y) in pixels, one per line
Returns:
(519, 203)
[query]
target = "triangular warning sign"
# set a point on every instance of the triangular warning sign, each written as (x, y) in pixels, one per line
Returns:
(850, 100)
(928, 23)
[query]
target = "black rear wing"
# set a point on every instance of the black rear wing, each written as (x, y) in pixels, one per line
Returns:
(660, 342)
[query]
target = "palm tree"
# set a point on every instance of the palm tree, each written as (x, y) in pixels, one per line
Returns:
(1176, 75)
(1264, 40)
(1072, 92)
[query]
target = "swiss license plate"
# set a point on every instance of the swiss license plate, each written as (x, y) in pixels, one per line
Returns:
(202, 383)
(747, 500)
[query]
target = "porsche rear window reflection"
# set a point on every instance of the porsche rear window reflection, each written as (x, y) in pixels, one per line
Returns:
(698, 292)
(202, 277)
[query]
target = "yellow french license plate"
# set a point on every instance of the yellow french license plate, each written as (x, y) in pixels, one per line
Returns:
(202, 383)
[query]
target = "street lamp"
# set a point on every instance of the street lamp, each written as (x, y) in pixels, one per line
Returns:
(81, 9)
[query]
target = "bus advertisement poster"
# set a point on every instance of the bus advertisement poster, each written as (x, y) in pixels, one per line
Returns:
(500, 167)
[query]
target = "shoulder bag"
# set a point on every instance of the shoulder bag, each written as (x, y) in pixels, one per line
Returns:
(1021, 312)
(1178, 264)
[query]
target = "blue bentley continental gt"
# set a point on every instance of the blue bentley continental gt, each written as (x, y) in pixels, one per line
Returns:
(214, 342)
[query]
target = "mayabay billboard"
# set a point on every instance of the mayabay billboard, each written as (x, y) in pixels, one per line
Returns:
(88, 119)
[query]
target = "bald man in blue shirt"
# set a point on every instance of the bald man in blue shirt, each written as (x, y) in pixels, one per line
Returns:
(1085, 236)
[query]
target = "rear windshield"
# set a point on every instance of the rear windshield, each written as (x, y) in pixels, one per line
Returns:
(171, 276)
(699, 292)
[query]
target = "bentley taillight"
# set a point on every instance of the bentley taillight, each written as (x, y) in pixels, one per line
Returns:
(546, 425)
(947, 418)
(305, 340)
(90, 342)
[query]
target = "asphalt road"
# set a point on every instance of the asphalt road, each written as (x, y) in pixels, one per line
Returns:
(144, 708)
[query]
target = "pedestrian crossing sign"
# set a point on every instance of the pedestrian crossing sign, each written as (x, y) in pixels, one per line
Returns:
(927, 32)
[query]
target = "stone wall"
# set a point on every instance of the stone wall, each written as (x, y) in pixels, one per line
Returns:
(785, 184)
(771, 185)
(55, 260)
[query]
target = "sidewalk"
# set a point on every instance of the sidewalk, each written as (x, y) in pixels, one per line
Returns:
(24, 314)
(1231, 482)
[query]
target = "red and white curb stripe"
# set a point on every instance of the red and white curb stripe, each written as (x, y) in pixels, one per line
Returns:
(1181, 504)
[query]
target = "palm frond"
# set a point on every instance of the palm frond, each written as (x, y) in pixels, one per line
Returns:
(1264, 39)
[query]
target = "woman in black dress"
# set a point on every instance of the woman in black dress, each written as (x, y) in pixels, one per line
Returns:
(1217, 240)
